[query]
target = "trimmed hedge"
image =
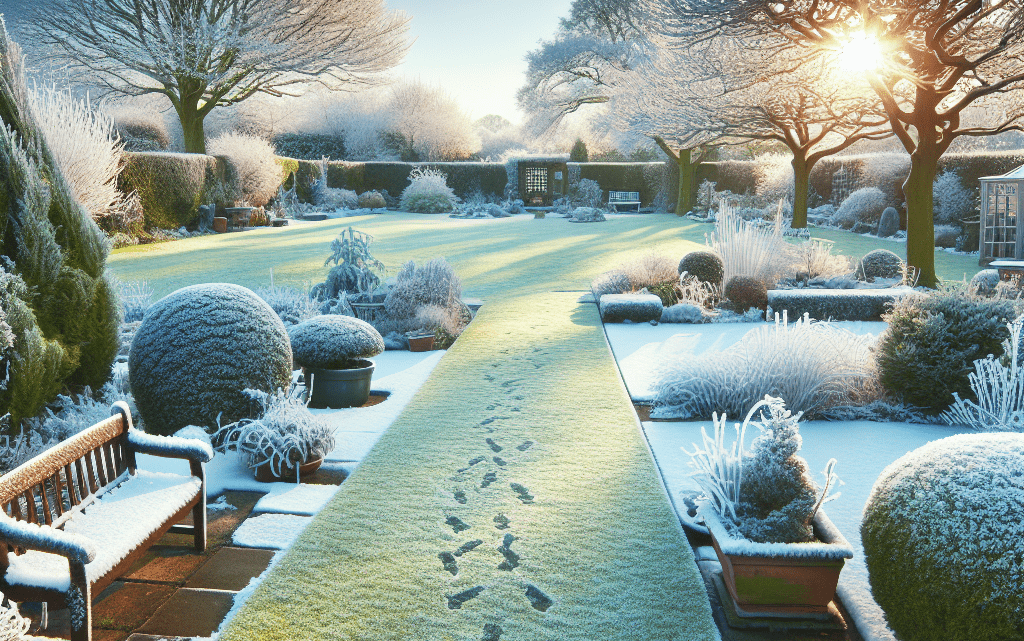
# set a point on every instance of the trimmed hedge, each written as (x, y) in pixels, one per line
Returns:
(636, 308)
(172, 186)
(836, 304)
(648, 178)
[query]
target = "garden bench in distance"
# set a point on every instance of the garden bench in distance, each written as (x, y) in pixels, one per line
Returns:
(616, 198)
(78, 515)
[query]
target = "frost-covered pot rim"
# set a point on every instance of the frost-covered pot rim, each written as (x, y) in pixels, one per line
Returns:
(833, 546)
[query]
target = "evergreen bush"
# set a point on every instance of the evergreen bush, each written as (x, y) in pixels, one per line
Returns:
(943, 540)
(54, 290)
(705, 266)
(951, 201)
(578, 153)
(428, 193)
(927, 352)
(746, 292)
(880, 263)
(862, 206)
(334, 342)
(172, 186)
(198, 350)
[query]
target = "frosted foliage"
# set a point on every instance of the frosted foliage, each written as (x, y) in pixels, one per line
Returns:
(333, 341)
(649, 270)
(252, 158)
(586, 193)
(774, 177)
(999, 386)
(951, 202)
(428, 193)
(136, 297)
(426, 297)
(864, 205)
(291, 305)
(329, 197)
(85, 146)
(285, 435)
(13, 626)
(765, 493)
(198, 349)
(613, 282)
(431, 122)
(749, 250)
(814, 365)
(944, 539)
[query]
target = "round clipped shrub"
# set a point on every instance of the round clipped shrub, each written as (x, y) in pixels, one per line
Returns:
(864, 205)
(705, 266)
(371, 200)
(943, 540)
(334, 342)
(196, 352)
(985, 281)
(880, 263)
(428, 193)
(744, 292)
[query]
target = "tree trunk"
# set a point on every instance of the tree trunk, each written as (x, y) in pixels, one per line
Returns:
(801, 179)
(687, 176)
(920, 223)
(192, 128)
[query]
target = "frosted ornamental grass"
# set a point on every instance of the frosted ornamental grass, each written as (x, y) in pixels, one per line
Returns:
(999, 387)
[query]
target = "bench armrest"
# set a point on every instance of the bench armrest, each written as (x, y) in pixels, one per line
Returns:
(46, 539)
(192, 449)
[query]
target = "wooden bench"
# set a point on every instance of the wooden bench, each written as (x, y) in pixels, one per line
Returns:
(77, 516)
(616, 198)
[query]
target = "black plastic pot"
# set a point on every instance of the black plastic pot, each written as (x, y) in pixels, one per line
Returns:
(336, 388)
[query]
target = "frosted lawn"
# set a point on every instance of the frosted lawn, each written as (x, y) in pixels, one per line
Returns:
(863, 448)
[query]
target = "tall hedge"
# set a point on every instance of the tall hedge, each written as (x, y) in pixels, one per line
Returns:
(172, 186)
(648, 178)
(54, 292)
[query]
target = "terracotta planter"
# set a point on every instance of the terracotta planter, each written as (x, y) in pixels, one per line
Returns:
(220, 225)
(421, 343)
(336, 388)
(781, 579)
(265, 474)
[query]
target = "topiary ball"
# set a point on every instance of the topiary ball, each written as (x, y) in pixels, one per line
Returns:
(334, 342)
(943, 540)
(371, 200)
(745, 292)
(705, 266)
(198, 349)
(880, 263)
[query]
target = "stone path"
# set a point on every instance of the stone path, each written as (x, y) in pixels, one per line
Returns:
(515, 498)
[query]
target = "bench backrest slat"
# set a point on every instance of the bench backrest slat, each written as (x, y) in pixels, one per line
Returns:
(83, 489)
(96, 458)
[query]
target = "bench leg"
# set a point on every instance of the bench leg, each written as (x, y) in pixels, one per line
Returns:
(79, 600)
(199, 511)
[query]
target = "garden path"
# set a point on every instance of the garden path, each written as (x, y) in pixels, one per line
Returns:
(515, 498)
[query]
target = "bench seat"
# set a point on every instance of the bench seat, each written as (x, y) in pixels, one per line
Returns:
(120, 521)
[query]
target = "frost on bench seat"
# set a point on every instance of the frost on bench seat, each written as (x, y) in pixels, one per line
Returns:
(118, 523)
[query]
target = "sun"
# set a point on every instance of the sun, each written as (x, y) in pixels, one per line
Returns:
(861, 53)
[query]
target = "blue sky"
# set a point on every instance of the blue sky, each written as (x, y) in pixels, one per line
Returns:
(474, 49)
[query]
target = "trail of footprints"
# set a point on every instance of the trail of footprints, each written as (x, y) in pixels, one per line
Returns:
(510, 559)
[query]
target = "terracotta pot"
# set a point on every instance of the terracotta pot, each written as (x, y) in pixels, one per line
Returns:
(264, 474)
(781, 579)
(220, 225)
(421, 343)
(336, 388)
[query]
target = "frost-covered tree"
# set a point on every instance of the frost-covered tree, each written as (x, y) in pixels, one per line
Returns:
(425, 123)
(935, 60)
(203, 54)
(54, 292)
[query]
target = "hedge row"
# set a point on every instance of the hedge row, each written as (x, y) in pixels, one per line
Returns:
(172, 186)
(648, 178)
(885, 171)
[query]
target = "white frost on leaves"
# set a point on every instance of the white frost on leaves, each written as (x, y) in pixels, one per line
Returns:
(13, 626)
(834, 547)
(273, 531)
(170, 446)
(323, 341)
(301, 499)
(999, 388)
(116, 524)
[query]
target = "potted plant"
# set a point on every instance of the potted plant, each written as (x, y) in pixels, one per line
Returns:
(420, 340)
(334, 353)
(285, 443)
(780, 554)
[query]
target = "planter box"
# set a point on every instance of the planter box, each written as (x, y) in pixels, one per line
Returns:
(220, 225)
(421, 343)
(781, 579)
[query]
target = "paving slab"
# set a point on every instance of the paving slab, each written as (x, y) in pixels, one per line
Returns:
(190, 613)
(231, 569)
(126, 606)
(169, 566)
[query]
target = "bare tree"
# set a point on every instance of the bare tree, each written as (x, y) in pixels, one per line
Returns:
(938, 58)
(203, 54)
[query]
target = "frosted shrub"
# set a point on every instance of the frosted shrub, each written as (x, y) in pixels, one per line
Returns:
(326, 197)
(586, 193)
(613, 282)
(922, 355)
(136, 297)
(862, 206)
(774, 177)
(139, 124)
(749, 250)
(766, 493)
(816, 259)
(951, 202)
(13, 626)
(815, 364)
(334, 341)
(354, 269)
(428, 193)
(427, 297)
(291, 305)
(85, 146)
(285, 435)
(252, 159)
(999, 387)
(649, 271)
(943, 540)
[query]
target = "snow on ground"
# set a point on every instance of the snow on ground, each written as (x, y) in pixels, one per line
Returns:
(272, 531)
(862, 448)
(302, 499)
(643, 351)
